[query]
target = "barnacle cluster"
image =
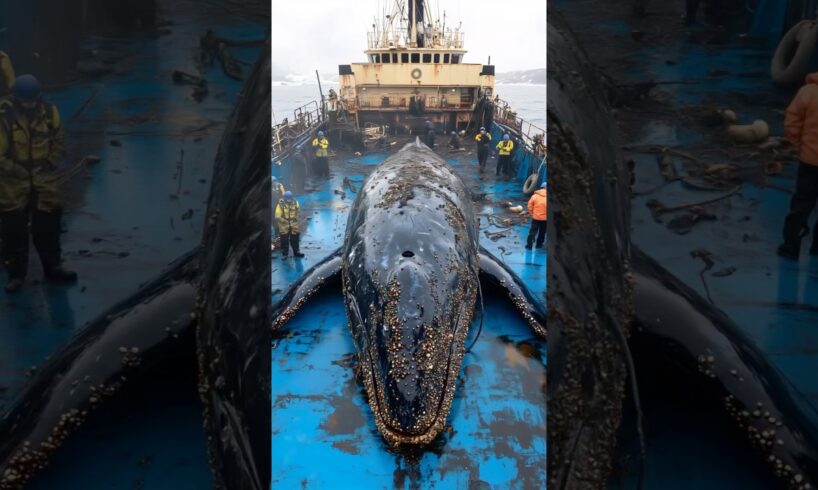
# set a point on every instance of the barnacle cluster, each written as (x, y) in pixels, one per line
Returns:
(33, 458)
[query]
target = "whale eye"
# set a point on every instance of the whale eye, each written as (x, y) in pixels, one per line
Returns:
(408, 254)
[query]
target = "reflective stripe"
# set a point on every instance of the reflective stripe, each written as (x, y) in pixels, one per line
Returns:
(320, 146)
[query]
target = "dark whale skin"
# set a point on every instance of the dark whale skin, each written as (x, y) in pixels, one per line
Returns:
(233, 312)
(146, 330)
(411, 280)
(589, 287)
(678, 329)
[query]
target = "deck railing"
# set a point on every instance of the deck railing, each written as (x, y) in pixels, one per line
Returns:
(533, 136)
(305, 119)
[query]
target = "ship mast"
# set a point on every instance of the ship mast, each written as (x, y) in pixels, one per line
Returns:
(413, 27)
(417, 11)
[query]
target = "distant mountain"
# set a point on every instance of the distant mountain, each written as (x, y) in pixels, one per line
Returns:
(536, 76)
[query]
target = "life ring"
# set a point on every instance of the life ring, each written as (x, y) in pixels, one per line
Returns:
(792, 56)
(530, 183)
(416, 73)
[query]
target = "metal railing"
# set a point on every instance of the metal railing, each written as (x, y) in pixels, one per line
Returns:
(305, 119)
(533, 136)
(391, 39)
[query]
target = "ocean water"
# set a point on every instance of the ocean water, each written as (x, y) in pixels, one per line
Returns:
(527, 100)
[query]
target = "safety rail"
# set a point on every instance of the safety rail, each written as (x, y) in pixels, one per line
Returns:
(305, 119)
(436, 40)
(533, 136)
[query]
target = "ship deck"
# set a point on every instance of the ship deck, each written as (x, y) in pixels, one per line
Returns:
(774, 300)
(497, 432)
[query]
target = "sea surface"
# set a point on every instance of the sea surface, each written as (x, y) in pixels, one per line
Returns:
(527, 100)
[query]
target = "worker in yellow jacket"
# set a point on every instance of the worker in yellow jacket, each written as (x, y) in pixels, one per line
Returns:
(31, 145)
(483, 139)
(276, 193)
(504, 149)
(277, 189)
(287, 214)
(6, 79)
(321, 145)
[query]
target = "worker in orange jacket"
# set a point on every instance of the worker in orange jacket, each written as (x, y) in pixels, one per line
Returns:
(801, 129)
(538, 209)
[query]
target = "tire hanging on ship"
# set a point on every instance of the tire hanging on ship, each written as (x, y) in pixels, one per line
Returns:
(530, 183)
(792, 57)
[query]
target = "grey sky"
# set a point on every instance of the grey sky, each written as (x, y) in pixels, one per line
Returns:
(321, 34)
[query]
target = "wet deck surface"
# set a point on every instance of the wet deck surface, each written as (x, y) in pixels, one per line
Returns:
(126, 218)
(319, 413)
(774, 300)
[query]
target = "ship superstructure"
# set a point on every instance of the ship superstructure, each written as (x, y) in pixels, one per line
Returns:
(415, 71)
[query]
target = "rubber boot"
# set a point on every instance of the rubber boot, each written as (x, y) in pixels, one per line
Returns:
(791, 248)
(14, 243)
(285, 245)
(45, 233)
(61, 276)
(789, 251)
(295, 238)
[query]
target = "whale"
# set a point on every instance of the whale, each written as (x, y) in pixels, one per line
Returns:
(208, 312)
(411, 273)
(616, 315)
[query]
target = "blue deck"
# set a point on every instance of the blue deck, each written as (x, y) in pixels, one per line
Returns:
(323, 430)
(774, 300)
(125, 220)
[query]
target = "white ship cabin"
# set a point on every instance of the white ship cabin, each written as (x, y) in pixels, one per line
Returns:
(415, 65)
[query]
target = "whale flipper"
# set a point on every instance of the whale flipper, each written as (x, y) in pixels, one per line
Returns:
(148, 329)
(495, 273)
(677, 323)
(326, 271)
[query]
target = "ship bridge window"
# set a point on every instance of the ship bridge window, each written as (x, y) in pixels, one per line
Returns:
(385, 58)
(455, 59)
(404, 57)
(446, 58)
(415, 57)
(427, 57)
(437, 57)
(376, 58)
(394, 57)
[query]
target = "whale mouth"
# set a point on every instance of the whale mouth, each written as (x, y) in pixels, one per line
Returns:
(423, 434)
(434, 408)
